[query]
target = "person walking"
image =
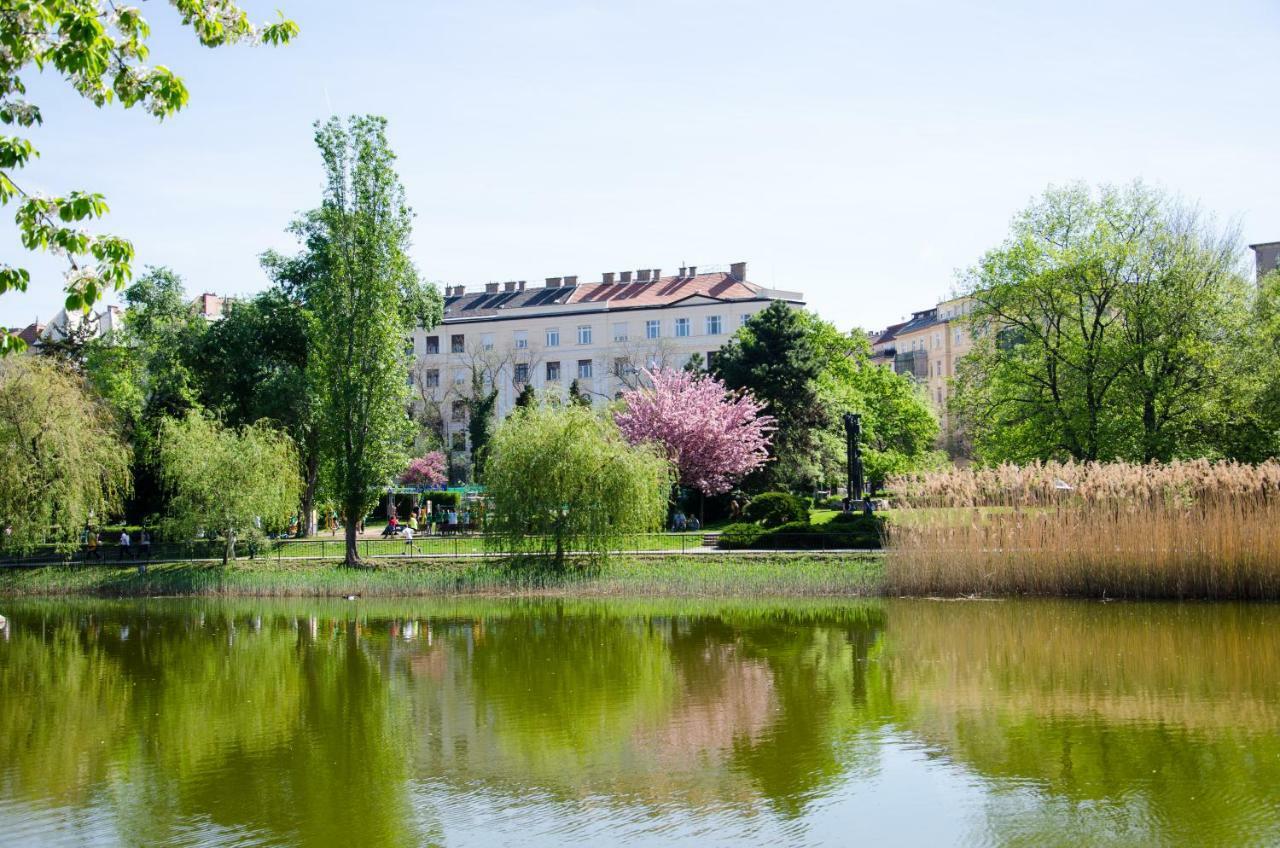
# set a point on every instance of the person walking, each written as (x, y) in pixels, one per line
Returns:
(144, 545)
(126, 545)
(91, 547)
(408, 537)
(452, 518)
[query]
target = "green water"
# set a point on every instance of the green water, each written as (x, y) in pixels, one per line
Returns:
(659, 723)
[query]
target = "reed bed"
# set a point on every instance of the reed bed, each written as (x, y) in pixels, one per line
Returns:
(1194, 529)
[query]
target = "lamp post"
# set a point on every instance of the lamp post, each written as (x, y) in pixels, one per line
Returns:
(853, 459)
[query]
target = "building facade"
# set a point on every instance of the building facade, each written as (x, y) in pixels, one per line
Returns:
(1266, 257)
(601, 334)
(927, 348)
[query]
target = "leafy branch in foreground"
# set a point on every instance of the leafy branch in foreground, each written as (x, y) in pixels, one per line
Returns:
(100, 49)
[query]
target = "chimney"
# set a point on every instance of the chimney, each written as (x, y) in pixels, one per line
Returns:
(490, 288)
(738, 271)
(625, 276)
(509, 286)
(657, 274)
(642, 276)
(682, 270)
(553, 282)
(607, 276)
(520, 285)
(571, 281)
(693, 270)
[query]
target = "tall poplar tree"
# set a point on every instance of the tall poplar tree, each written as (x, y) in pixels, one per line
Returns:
(364, 306)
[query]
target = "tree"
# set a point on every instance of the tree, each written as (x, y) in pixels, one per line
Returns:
(428, 470)
(64, 464)
(223, 479)
(772, 357)
(527, 397)
(252, 365)
(695, 364)
(899, 428)
(577, 397)
(1103, 328)
(365, 303)
(100, 49)
(713, 436)
(564, 479)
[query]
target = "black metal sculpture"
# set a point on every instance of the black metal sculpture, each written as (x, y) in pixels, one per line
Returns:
(853, 459)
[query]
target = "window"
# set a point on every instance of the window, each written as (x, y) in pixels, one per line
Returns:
(711, 359)
(743, 319)
(486, 341)
(937, 340)
(433, 344)
(409, 347)
(458, 344)
(713, 325)
(409, 379)
(459, 441)
(522, 339)
(939, 395)
(522, 373)
(431, 378)
(959, 336)
(584, 369)
(459, 410)
(553, 372)
(459, 378)
(621, 367)
(620, 332)
(584, 334)
(682, 327)
(553, 337)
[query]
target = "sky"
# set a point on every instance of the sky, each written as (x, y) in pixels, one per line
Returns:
(859, 152)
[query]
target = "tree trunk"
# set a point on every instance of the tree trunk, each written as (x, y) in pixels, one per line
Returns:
(352, 557)
(230, 552)
(311, 475)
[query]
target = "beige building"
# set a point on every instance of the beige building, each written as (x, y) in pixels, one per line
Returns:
(599, 333)
(927, 348)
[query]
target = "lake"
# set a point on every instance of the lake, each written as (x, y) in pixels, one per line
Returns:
(665, 722)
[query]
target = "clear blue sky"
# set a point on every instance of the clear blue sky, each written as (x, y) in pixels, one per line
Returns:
(860, 152)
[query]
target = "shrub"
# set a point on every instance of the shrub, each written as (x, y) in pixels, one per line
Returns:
(773, 509)
(738, 536)
(443, 500)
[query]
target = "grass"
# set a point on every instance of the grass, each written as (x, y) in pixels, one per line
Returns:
(1182, 530)
(669, 575)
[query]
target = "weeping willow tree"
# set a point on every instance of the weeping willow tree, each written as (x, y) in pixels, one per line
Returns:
(563, 479)
(62, 464)
(225, 480)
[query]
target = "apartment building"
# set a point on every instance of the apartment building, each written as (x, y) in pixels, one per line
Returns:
(1266, 257)
(927, 347)
(600, 333)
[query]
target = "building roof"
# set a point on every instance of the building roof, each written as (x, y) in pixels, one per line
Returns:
(664, 291)
(30, 333)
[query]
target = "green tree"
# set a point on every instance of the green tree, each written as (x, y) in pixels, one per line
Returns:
(577, 397)
(527, 398)
(252, 365)
(101, 50)
(1104, 325)
(364, 304)
(64, 464)
(772, 356)
(564, 479)
(224, 479)
(899, 428)
(696, 363)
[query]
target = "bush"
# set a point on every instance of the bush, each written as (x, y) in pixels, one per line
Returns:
(442, 499)
(828, 502)
(738, 536)
(773, 509)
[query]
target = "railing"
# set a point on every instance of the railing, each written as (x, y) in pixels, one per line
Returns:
(321, 547)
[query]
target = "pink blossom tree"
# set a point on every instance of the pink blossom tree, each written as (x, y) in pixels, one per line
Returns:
(426, 470)
(714, 436)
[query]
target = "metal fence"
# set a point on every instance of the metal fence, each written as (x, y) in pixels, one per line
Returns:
(325, 547)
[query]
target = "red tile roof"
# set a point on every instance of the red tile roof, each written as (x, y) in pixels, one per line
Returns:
(665, 290)
(30, 333)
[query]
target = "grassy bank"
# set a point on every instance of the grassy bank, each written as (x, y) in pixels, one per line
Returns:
(774, 575)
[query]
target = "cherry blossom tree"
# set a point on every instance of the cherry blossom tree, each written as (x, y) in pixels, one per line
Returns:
(426, 470)
(714, 436)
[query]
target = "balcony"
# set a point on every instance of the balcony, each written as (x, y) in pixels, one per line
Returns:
(912, 362)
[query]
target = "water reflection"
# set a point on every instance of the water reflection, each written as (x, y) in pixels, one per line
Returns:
(409, 723)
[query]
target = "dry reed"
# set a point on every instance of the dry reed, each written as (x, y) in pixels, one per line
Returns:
(1195, 529)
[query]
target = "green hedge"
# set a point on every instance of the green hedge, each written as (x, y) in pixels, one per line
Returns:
(773, 509)
(849, 530)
